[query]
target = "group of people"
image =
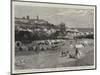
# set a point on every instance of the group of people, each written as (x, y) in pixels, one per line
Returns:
(76, 48)
(38, 45)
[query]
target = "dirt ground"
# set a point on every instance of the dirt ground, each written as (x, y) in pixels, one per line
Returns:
(54, 58)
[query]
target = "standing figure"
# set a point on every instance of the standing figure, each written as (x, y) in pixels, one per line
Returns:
(77, 52)
(76, 48)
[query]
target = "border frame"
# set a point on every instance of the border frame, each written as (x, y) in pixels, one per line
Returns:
(95, 60)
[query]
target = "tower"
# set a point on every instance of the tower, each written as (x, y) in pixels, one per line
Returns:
(37, 17)
(27, 17)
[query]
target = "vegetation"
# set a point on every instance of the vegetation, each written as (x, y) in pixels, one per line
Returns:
(89, 36)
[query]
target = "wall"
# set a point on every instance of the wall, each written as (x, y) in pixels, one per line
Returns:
(5, 37)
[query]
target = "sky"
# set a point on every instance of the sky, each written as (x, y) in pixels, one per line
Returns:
(72, 17)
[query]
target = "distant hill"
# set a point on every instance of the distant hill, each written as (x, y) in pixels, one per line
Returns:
(34, 23)
(85, 29)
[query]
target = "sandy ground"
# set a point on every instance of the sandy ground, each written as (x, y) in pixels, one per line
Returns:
(53, 58)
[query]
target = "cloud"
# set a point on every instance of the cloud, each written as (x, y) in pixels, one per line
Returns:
(78, 12)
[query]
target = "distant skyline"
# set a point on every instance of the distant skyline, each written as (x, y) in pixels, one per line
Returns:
(76, 18)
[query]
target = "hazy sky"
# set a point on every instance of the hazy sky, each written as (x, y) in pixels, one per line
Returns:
(70, 16)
